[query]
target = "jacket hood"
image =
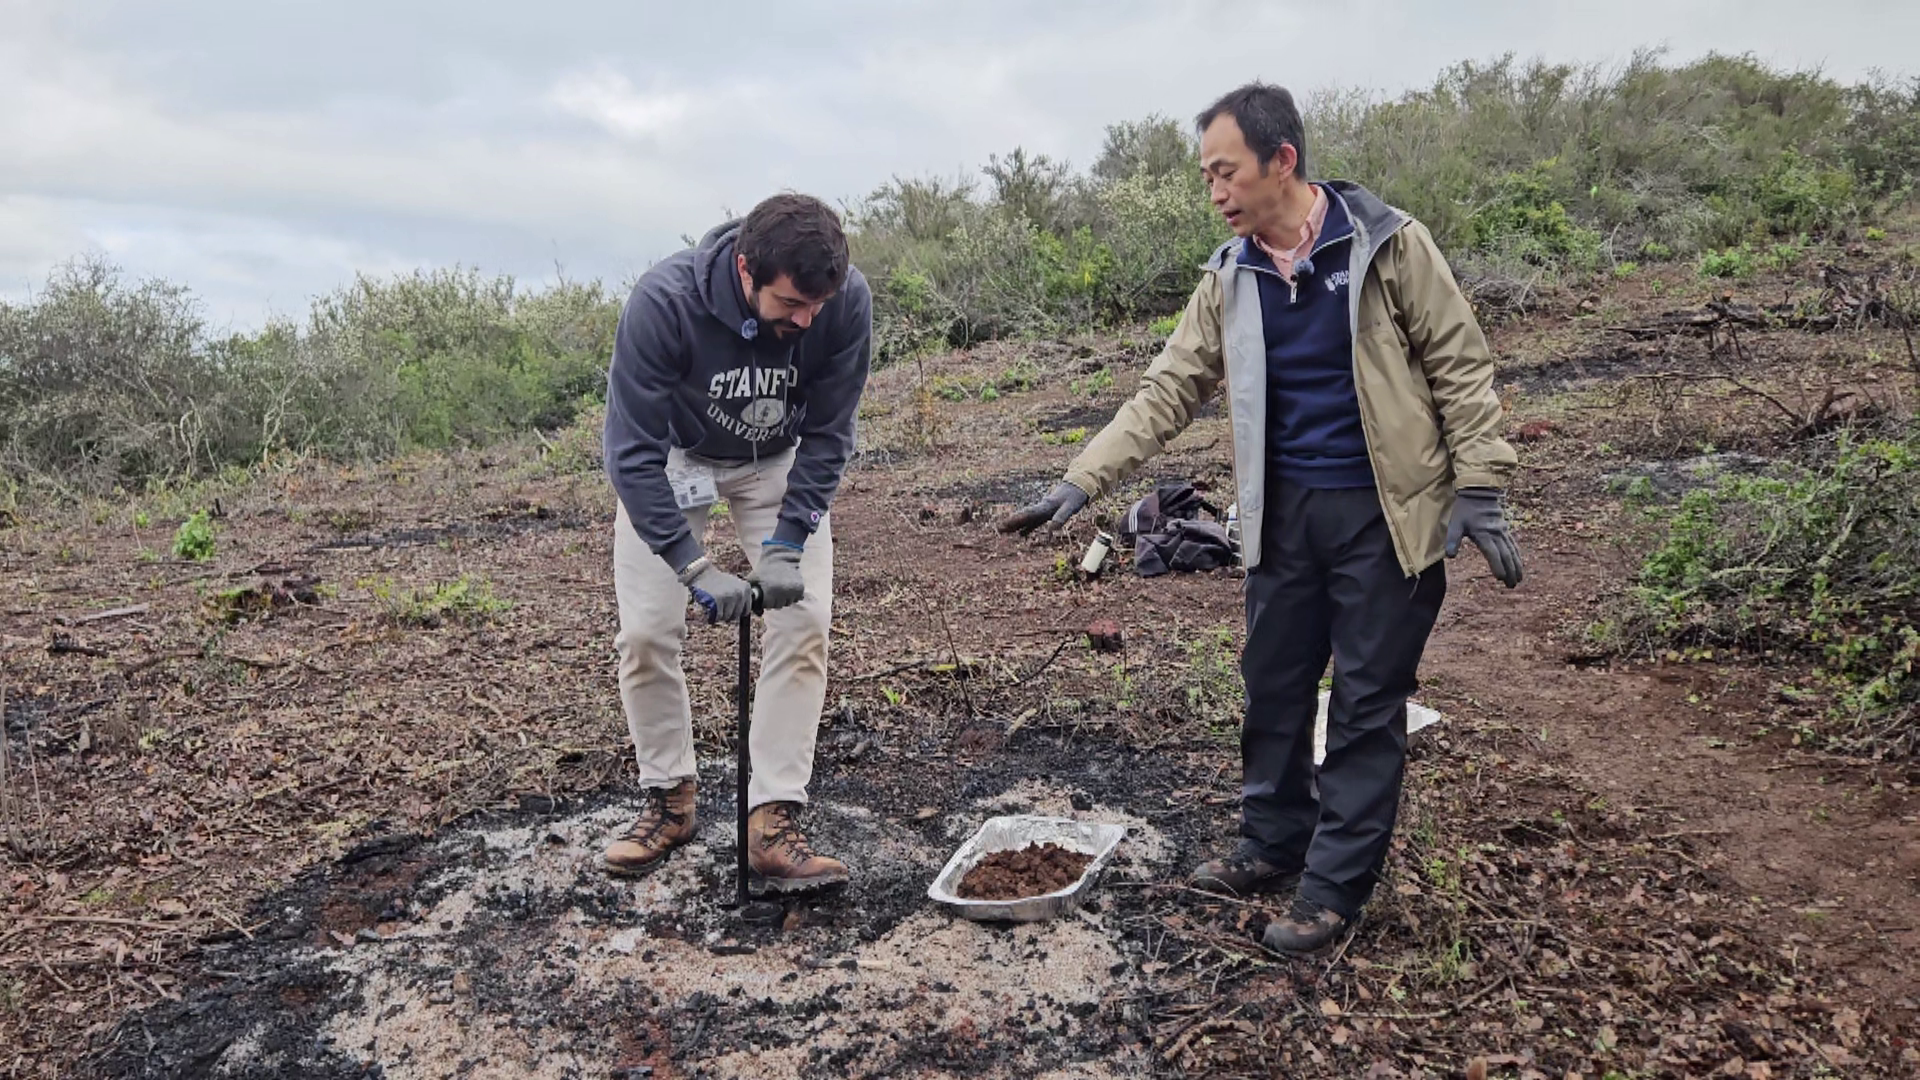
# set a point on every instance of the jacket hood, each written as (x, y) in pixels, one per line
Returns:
(718, 284)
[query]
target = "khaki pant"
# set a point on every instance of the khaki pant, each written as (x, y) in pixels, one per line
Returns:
(793, 665)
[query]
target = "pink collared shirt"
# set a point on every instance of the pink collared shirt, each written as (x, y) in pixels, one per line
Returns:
(1309, 233)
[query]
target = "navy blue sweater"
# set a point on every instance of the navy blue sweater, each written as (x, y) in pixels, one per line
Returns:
(1314, 437)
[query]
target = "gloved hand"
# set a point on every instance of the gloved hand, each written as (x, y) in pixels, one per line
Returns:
(1064, 501)
(778, 575)
(725, 597)
(1477, 515)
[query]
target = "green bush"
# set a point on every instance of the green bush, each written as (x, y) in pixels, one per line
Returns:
(194, 538)
(1798, 195)
(107, 383)
(1882, 138)
(1018, 378)
(1526, 218)
(1736, 262)
(467, 599)
(1700, 155)
(1824, 562)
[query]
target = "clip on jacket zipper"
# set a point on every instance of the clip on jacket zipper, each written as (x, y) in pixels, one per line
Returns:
(1293, 285)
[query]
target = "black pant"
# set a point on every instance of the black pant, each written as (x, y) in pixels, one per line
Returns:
(1329, 584)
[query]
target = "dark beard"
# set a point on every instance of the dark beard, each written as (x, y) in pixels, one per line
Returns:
(784, 329)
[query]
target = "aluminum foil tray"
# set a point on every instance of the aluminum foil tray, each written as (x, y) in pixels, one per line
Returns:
(1012, 833)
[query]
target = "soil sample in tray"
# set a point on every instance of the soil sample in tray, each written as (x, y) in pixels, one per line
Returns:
(1035, 870)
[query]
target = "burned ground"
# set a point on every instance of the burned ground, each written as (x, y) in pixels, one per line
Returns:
(354, 836)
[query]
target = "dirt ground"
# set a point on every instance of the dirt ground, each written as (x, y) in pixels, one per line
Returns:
(279, 814)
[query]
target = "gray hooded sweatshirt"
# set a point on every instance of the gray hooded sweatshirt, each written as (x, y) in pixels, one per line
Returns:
(691, 370)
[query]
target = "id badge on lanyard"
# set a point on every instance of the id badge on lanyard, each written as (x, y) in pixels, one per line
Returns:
(693, 485)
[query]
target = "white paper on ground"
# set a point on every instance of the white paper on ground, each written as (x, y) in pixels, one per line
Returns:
(1418, 716)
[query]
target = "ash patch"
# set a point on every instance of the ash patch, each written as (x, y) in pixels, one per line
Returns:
(1670, 479)
(1090, 417)
(1601, 363)
(500, 949)
(1017, 487)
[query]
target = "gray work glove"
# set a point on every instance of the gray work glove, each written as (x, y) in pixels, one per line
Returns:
(725, 597)
(1477, 515)
(1064, 501)
(778, 576)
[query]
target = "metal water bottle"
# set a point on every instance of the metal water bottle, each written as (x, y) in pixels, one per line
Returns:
(1096, 556)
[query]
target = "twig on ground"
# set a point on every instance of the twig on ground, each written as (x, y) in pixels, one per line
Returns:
(1045, 664)
(158, 659)
(112, 613)
(896, 670)
(9, 828)
(960, 666)
(62, 644)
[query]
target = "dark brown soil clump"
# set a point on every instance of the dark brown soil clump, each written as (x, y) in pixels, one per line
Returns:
(1032, 871)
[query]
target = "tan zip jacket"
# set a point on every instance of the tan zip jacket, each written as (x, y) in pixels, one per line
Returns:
(1421, 369)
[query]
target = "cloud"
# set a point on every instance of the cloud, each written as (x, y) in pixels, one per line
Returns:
(606, 98)
(36, 235)
(261, 152)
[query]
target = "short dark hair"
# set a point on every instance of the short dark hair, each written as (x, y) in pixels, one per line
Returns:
(1267, 117)
(799, 236)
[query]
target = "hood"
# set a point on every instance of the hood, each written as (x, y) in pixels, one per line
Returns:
(717, 282)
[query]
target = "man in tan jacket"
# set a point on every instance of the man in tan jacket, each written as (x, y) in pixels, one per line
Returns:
(1366, 445)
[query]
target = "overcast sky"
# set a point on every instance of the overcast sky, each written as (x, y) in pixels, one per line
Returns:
(263, 151)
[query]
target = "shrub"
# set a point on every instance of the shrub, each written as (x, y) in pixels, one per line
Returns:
(107, 383)
(1882, 135)
(466, 599)
(194, 538)
(1018, 378)
(1526, 218)
(1731, 263)
(1825, 562)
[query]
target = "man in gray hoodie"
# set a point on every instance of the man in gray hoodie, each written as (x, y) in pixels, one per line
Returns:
(736, 374)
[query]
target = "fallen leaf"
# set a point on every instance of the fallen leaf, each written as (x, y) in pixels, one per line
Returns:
(1477, 1069)
(1838, 1057)
(170, 908)
(1329, 1008)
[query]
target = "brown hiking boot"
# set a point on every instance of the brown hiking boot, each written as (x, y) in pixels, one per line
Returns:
(1242, 873)
(1308, 928)
(666, 822)
(779, 856)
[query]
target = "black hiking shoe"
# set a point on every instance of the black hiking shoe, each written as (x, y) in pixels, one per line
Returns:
(1308, 928)
(1242, 873)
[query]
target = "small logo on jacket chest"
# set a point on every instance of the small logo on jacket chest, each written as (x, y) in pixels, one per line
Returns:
(1337, 280)
(764, 412)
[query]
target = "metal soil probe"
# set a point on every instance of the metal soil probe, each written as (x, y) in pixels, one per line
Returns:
(750, 910)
